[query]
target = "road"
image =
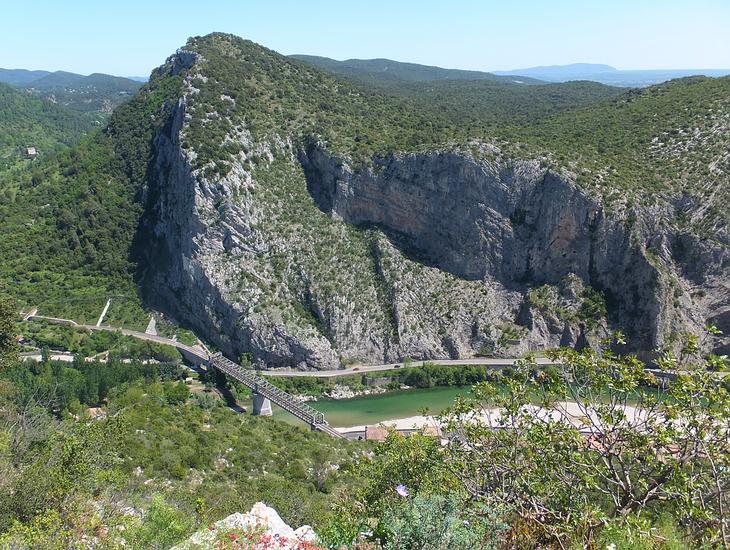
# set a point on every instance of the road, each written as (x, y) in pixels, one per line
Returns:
(363, 369)
(201, 355)
(195, 352)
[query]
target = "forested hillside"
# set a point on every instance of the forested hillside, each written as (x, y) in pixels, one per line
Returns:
(93, 93)
(96, 93)
(76, 214)
(98, 220)
(295, 218)
(387, 71)
(27, 121)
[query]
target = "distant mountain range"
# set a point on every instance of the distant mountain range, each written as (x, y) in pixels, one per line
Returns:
(385, 71)
(21, 77)
(96, 92)
(46, 80)
(606, 74)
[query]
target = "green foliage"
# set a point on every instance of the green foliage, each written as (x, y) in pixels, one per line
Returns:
(440, 522)
(413, 462)
(26, 121)
(8, 342)
(73, 459)
(204, 462)
(176, 393)
(161, 527)
(95, 93)
(625, 452)
(639, 533)
(89, 343)
(44, 531)
(63, 386)
(589, 310)
(433, 515)
(77, 213)
(592, 308)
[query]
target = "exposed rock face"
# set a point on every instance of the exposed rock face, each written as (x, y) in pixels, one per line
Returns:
(517, 224)
(261, 526)
(265, 261)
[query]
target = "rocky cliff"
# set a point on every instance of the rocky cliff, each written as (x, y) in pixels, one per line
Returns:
(289, 251)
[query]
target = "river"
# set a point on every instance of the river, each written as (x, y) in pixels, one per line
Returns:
(372, 409)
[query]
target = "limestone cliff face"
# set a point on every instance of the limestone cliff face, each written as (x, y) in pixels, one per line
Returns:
(299, 260)
(518, 225)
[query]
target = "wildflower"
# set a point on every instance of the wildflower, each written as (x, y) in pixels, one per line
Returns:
(401, 490)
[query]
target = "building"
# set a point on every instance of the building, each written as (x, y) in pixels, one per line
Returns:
(31, 152)
(376, 433)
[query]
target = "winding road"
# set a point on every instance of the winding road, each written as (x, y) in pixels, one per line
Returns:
(199, 353)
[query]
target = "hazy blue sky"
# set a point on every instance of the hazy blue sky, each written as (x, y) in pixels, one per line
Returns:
(130, 37)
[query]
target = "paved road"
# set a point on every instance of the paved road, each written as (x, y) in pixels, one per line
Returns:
(202, 355)
(197, 353)
(362, 369)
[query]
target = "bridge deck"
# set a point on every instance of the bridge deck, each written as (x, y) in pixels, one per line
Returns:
(278, 396)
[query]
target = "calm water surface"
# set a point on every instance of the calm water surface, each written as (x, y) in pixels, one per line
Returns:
(372, 409)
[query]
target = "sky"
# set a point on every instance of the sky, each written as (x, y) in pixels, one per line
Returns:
(131, 37)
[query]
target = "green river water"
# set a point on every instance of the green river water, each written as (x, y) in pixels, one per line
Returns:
(372, 409)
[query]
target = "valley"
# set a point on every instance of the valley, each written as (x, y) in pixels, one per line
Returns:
(217, 284)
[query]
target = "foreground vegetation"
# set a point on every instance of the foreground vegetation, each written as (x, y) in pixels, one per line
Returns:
(161, 462)
(652, 475)
(157, 464)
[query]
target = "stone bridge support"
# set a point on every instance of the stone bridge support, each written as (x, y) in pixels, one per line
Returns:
(261, 405)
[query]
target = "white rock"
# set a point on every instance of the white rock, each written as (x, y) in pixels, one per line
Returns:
(261, 517)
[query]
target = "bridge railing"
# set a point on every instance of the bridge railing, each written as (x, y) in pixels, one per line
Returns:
(270, 391)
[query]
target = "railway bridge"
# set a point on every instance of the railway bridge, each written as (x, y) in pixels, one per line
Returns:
(265, 393)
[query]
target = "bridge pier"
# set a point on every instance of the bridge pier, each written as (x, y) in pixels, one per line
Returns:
(261, 405)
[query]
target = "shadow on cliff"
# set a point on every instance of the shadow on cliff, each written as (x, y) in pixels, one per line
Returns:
(514, 224)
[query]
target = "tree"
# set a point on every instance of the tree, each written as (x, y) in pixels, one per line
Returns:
(8, 342)
(176, 393)
(595, 440)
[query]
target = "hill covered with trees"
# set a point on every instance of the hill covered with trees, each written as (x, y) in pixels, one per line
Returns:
(379, 71)
(95, 93)
(27, 121)
(237, 149)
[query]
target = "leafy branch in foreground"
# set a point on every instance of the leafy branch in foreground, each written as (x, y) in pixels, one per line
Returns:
(594, 443)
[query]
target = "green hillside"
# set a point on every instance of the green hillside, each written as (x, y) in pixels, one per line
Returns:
(667, 139)
(76, 213)
(81, 242)
(27, 121)
(93, 93)
(387, 71)
(611, 137)
(20, 77)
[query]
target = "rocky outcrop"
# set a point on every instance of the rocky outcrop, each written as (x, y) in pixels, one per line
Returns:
(261, 527)
(299, 260)
(520, 225)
